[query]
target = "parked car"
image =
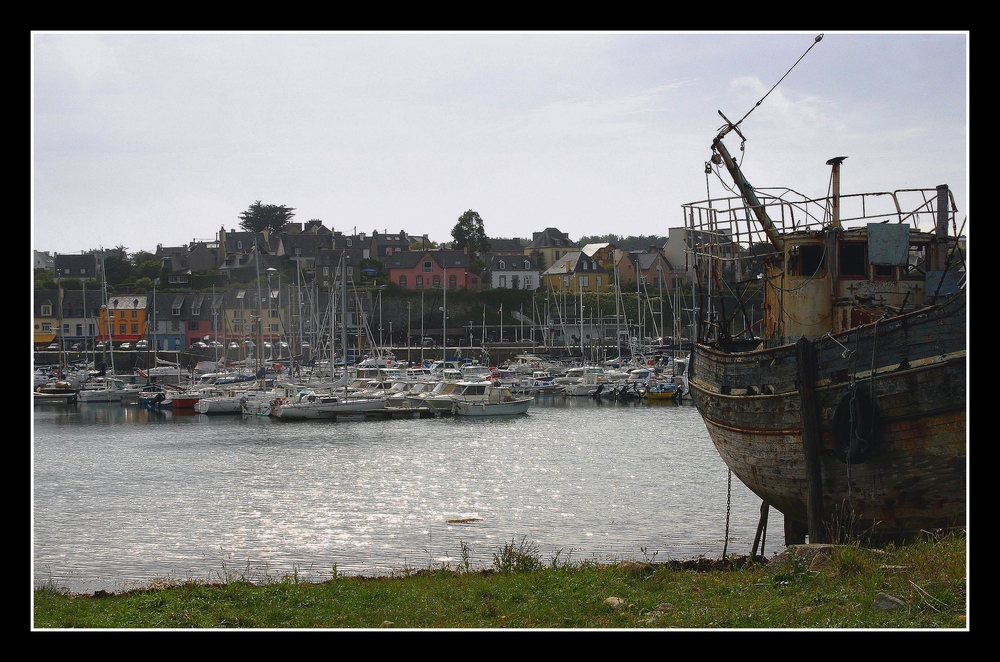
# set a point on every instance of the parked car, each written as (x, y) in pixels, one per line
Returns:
(141, 344)
(77, 347)
(428, 342)
(214, 343)
(197, 344)
(53, 347)
(99, 345)
(125, 345)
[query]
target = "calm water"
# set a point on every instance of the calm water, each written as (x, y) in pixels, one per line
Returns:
(123, 496)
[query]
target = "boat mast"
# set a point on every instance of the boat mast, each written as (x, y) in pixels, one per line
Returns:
(444, 313)
(746, 190)
(343, 320)
(107, 310)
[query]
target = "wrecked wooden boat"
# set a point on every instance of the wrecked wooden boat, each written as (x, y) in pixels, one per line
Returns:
(841, 400)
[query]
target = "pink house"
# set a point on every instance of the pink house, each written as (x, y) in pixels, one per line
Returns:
(421, 270)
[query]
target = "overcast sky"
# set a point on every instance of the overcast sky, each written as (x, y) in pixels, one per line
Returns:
(142, 139)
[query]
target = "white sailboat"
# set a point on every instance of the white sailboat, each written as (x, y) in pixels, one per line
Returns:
(333, 400)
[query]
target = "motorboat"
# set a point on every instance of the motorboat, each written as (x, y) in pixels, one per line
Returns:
(583, 380)
(103, 390)
(497, 402)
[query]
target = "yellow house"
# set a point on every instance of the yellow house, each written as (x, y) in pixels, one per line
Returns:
(123, 319)
(549, 246)
(576, 272)
(46, 304)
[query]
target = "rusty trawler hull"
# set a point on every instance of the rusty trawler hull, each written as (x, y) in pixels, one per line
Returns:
(829, 361)
(899, 385)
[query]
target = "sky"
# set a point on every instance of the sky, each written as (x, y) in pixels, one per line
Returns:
(148, 138)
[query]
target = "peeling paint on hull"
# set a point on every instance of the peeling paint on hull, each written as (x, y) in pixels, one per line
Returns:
(913, 367)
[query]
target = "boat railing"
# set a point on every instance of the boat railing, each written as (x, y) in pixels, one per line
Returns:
(719, 226)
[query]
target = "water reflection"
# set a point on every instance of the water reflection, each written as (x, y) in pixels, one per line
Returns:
(124, 494)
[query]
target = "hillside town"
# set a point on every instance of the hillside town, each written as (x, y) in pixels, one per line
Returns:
(211, 294)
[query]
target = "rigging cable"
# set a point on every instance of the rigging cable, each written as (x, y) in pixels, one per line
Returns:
(818, 38)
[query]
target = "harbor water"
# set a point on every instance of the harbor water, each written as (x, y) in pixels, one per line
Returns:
(124, 496)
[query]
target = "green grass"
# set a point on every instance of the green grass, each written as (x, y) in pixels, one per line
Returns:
(523, 591)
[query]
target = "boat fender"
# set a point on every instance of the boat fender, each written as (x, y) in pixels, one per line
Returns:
(853, 427)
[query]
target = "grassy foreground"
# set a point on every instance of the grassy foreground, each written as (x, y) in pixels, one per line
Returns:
(922, 585)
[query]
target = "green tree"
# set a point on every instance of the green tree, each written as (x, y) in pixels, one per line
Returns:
(44, 280)
(470, 232)
(259, 217)
(422, 244)
(117, 266)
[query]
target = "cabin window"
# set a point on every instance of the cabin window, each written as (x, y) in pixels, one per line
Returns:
(437, 281)
(883, 271)
(527, 282)
(917, 259)
(452, 282)
(502, 282)
(805, 260)
(135, 329)
(427, 266)
(420, 282)
(121, 329)
(514, 282)
(46, 310)
(853, 261)
(402, 282)
(502, 265)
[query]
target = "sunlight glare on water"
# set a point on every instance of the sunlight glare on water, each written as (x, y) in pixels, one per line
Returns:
(123, 496)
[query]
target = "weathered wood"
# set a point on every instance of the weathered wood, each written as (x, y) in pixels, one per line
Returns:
(761, 530)
(810, 441)
(915, 477)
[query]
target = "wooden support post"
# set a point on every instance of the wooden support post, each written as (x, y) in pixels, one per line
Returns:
(761, 529)
(810, 440)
